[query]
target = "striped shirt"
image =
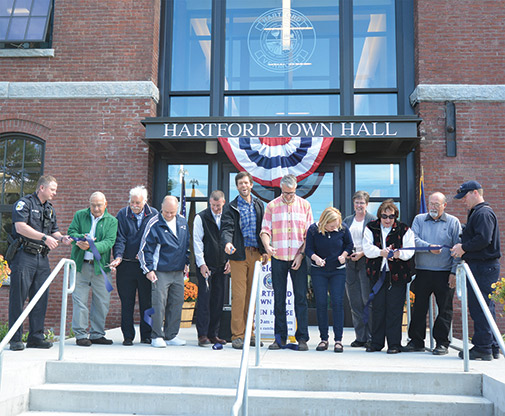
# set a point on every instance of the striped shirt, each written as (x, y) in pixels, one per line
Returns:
(287, 226)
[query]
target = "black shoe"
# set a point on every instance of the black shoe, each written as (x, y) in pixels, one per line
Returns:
(410, 347)
(17, 346)
(145, 341)
(368, 344)
(128, 342)
(217, 340)
(101, 340)
(39, 343)
(394, 350)
(83, 342)
(477, 355)
(440, 350)
(496, 353)
(357, 344)
(371, 348)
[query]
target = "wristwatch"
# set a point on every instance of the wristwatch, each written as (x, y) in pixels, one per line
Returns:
(44, 238)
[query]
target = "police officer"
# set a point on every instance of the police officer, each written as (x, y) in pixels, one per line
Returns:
(35, 233)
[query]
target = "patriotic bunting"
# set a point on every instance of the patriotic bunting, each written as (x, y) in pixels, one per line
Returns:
(268, 159)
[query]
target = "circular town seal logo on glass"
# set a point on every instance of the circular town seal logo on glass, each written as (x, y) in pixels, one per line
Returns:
(281, 43)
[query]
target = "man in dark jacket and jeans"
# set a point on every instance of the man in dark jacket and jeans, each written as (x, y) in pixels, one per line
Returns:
(240, 230)
(164, 258)
(480, 248)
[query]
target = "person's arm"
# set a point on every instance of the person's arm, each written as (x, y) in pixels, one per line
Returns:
(227, 229)
(408, 240)
(484, 227)
(147, 245)
(416, 229)
(369, 248)
(121, 237)
(198, 234)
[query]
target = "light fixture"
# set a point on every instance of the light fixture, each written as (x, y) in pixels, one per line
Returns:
(349, 147)
(211, 147)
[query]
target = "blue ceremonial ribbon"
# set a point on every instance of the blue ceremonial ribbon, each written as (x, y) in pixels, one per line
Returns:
(289, 346)
(97, 257)
(147, 316)
(380, 282)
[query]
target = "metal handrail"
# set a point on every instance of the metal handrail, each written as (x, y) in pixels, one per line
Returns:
(463, 272)
(69, 268)
(241, 398)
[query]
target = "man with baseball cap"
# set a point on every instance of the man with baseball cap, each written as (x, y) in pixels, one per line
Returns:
(480, 248)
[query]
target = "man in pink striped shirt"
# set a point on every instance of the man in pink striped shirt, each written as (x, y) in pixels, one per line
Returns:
(283, 231)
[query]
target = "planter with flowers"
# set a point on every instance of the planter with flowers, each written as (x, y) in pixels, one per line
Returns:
(5, 271)
(405, 320)
(188, 307)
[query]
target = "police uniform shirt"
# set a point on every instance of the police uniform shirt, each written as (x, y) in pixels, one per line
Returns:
(31, 211)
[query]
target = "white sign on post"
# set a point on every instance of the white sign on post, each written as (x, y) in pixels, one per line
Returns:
(267, 304)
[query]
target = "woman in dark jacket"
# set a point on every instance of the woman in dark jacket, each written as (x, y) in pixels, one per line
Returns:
(386, 264)
(328, 244)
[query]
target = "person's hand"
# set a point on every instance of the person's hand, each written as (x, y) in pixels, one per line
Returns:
(51, 242)
(357, 256)
(341, 259)
(396, 254)
(152, 276)
(83, 245)
(65, 239)
(297, 262)
(384, 252)
(186, 269)
(452, 281)
(264, 258)
(435, 251)
(457, 250)
(229, 248)
(318, 260)
(204, 270)
(227, 268)
(270, 250)
(116, 262)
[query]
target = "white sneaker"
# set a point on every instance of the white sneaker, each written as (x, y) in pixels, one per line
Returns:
(176, 341)
(158, 343)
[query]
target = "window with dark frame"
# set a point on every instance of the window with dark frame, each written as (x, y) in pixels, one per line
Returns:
(25, 24)
(21, 165)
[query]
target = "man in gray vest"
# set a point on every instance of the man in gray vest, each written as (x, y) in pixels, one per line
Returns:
(211, 269)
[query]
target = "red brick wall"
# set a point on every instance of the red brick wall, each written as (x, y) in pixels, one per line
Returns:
(462, 44)
(91, 144)
(459, 42)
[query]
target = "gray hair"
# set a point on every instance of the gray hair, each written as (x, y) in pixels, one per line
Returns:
(288, 181)
(217, 195)
(140, 191)
(97, 194)
(361, 195)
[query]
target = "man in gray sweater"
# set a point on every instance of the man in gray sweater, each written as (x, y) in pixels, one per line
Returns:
(435, 273)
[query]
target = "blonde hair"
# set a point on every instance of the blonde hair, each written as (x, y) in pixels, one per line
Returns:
(330, 214)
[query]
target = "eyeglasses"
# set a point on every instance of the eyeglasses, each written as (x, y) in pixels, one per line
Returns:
(288, 193)
(359, 203)
(385, 217)
(435, 205)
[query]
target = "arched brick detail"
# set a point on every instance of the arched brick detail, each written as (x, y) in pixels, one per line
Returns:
(16, 125)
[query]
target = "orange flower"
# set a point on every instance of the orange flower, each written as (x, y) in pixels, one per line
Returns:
(190, 291)
(5, 271)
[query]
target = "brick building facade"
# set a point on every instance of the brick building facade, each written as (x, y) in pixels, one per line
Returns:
(108, 68)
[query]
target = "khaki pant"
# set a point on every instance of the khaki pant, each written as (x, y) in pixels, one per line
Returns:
(242, 273)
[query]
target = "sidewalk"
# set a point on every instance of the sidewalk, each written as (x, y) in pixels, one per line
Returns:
(25, 368)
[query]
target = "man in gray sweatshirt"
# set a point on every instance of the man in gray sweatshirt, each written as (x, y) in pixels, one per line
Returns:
(435, 273)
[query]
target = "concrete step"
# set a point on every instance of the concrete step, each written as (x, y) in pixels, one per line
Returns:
(465, 384)
(176, 400)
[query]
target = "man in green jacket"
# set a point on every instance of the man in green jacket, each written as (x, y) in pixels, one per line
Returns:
(101, 227)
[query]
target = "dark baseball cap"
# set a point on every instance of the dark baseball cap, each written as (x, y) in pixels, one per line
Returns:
(467, 187)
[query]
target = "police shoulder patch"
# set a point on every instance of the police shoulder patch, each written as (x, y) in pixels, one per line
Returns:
(20, 205)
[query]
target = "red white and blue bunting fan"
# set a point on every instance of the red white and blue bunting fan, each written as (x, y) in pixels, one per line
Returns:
(268, 159)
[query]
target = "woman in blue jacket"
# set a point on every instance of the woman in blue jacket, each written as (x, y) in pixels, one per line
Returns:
(329, 242)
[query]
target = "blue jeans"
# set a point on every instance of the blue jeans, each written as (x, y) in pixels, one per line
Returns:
(334, 281)
(280, 271)
(486, 273)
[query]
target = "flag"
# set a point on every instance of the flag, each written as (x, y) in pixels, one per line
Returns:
(268, 159)
(422, 199)
(183, 196)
